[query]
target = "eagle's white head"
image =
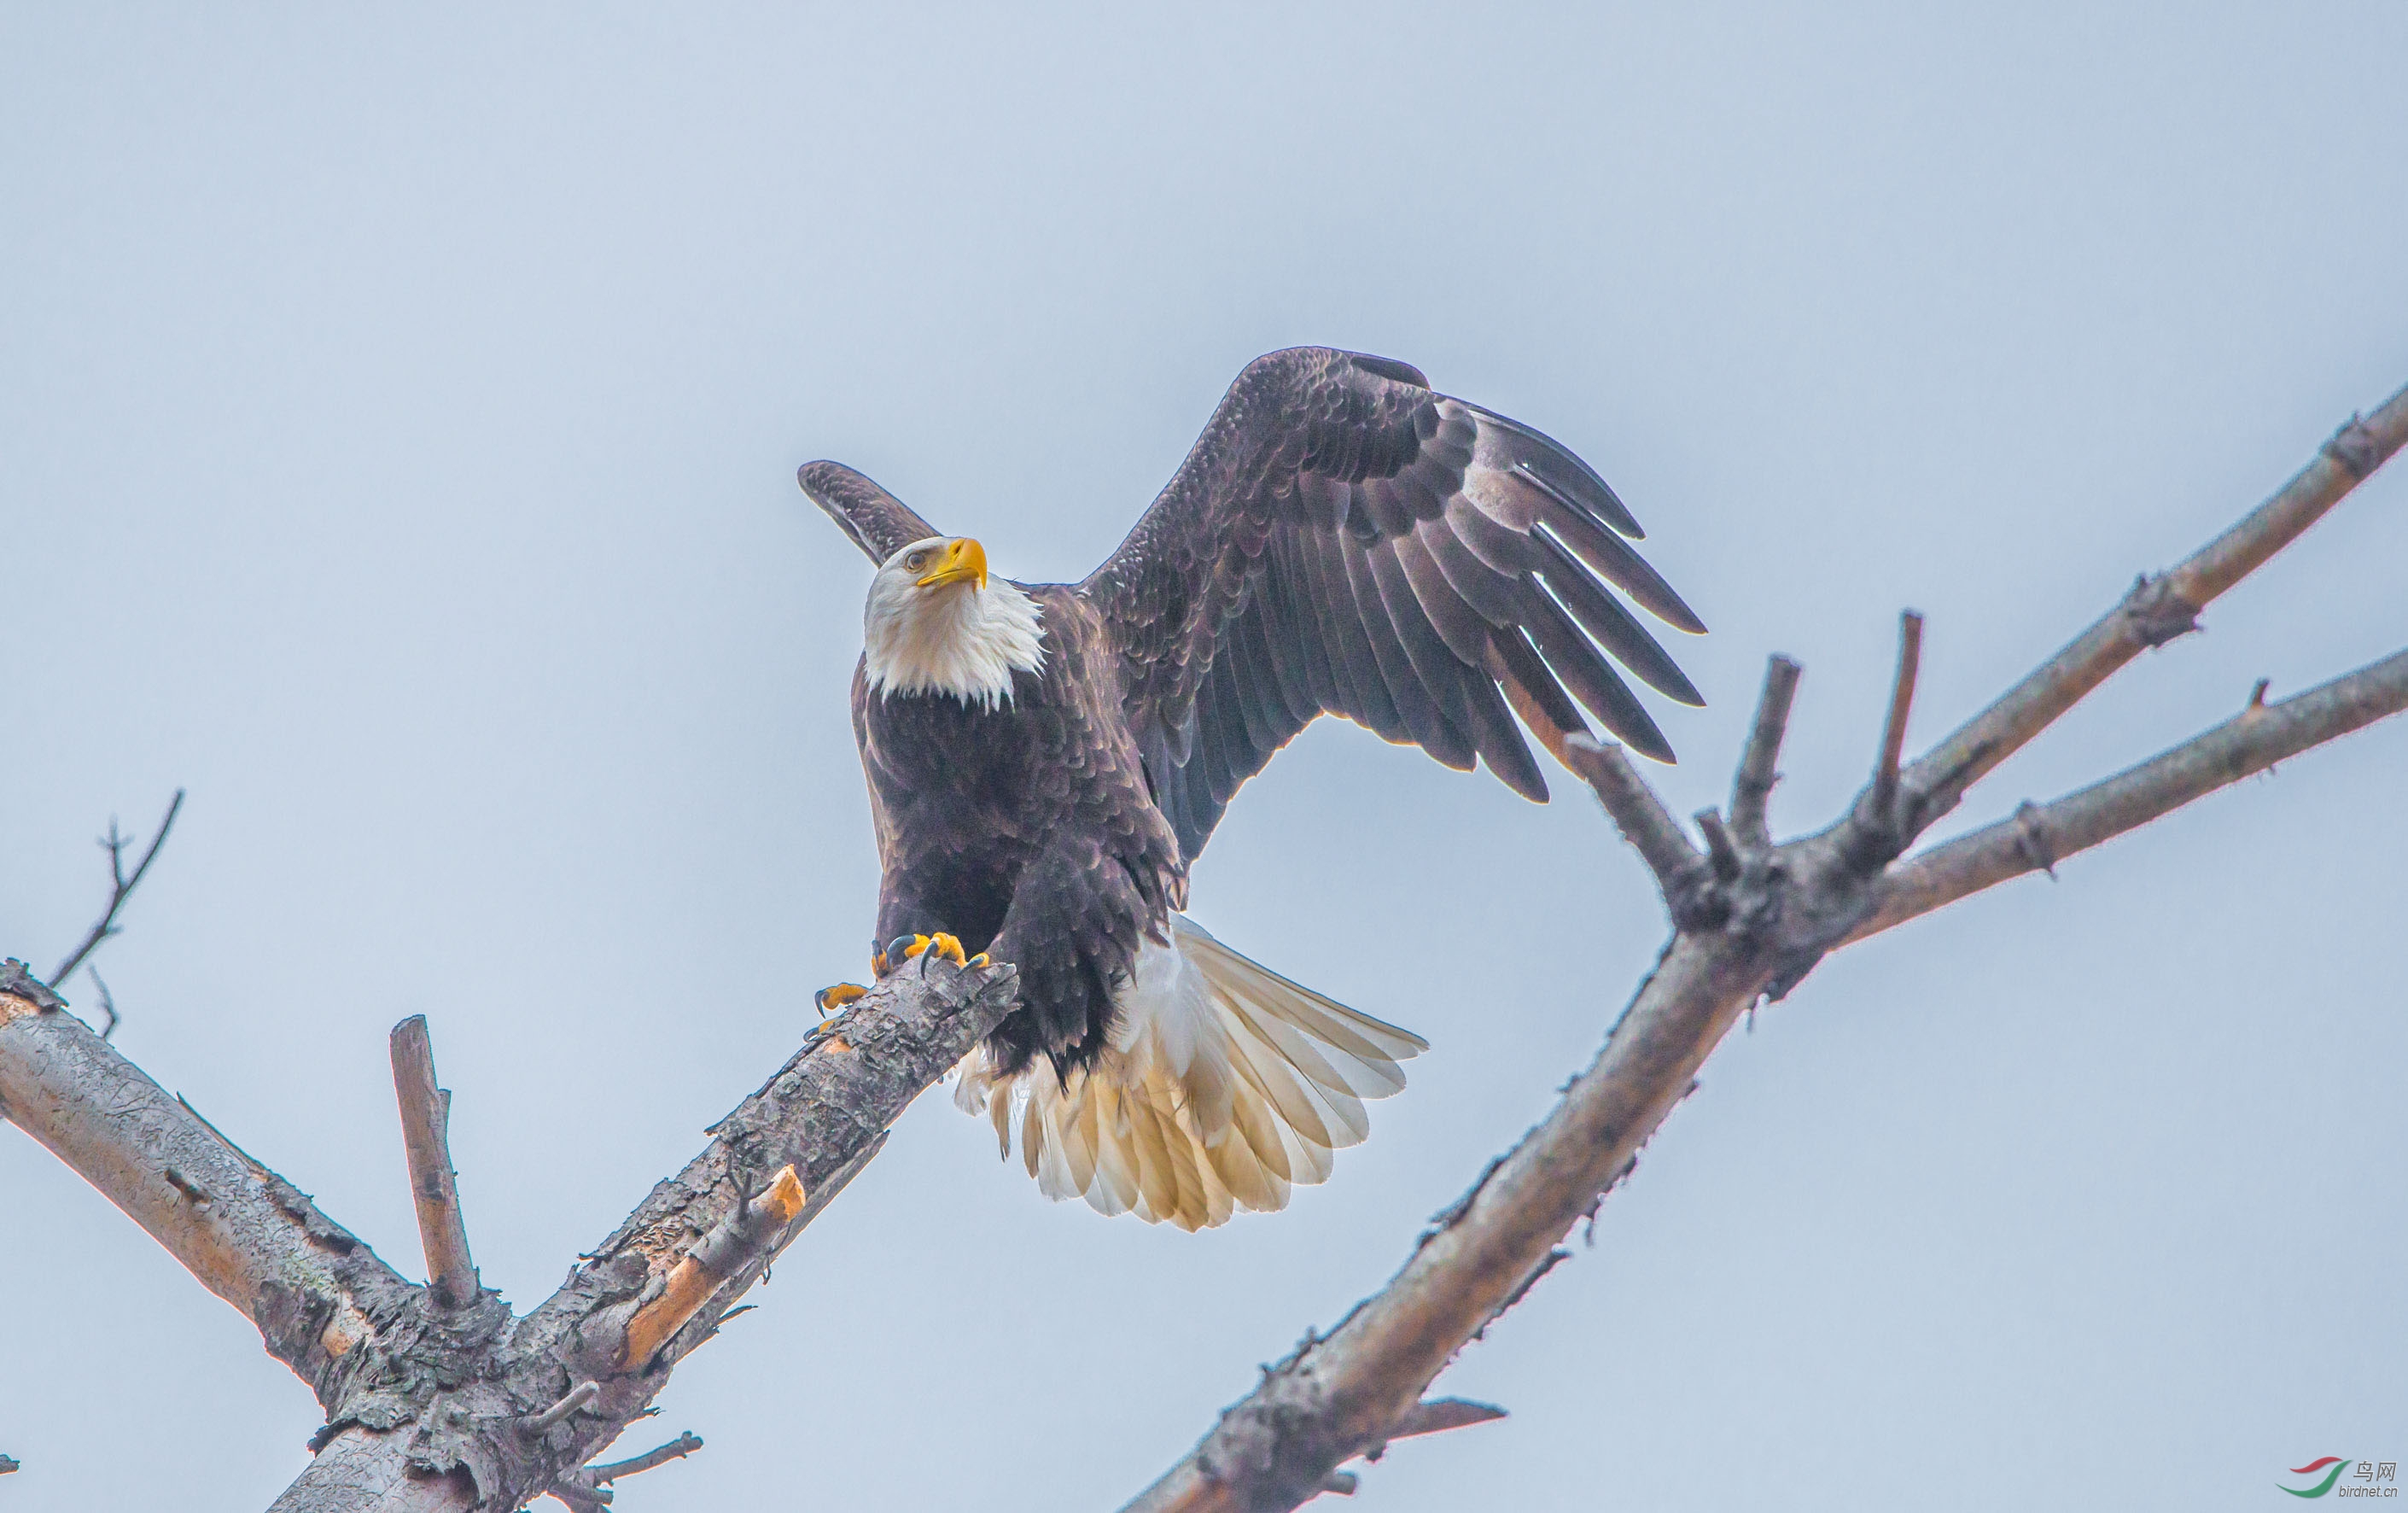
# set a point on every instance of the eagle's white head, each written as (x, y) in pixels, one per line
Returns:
(935, 624)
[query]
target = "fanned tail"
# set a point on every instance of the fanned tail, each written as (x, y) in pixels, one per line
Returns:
(1225, 1087)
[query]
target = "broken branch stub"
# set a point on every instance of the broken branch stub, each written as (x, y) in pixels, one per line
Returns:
(433, 1186)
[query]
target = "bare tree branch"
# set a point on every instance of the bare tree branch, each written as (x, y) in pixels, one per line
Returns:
(107, 1003)
(121, 887)
(676, 1449)
(1636, 811)
(249, 1236)
(1762, 919)
(1760, 762)
(426, 1141)
(436, 1409)
(2157, 609)
(511, 1416)
(1901, 702)
(2038, 837)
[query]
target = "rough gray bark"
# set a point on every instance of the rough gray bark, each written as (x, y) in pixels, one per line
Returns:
(1751, 919)
(431, 1407)
(315, 1292)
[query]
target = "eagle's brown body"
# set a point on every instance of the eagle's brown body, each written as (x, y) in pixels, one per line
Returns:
(1046, 761)
(1027, 830)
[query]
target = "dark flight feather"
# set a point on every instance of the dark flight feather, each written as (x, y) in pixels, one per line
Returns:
(1342, 534)
(1344, 540)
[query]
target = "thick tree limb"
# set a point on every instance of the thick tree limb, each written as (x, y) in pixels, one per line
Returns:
(436, 1409)
(512, 1419)
(1752, 920)
(2038, 837)
(312, 1288)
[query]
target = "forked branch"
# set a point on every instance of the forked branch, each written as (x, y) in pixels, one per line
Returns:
(2039, 836)
(1752, 919)
(2157, 610)
(122, 887)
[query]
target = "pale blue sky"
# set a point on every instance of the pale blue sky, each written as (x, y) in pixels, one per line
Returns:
(400, 412)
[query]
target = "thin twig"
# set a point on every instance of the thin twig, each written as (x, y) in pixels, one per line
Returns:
(120, 886)
(107, 1004)
(1902, 700)
(426, 1137)
(1760, 762)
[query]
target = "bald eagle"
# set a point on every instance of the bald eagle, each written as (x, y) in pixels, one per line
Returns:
(1046, 760)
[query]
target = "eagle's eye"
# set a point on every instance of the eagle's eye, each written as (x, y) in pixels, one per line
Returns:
(916, 560)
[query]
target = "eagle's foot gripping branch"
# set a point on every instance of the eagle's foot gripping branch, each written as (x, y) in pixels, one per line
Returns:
(904, 948)
(836, 1000)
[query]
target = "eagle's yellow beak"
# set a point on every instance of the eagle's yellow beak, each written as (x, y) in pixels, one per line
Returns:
(965, 562)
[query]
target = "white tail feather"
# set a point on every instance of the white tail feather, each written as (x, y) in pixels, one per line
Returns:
(1224, 1086)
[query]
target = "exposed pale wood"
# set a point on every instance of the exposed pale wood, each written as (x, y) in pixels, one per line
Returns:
(825, 1114)
(433, 1188)
(751, 1230)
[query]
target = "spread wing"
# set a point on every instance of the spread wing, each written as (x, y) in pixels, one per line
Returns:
(879, 523)
(1344, 540)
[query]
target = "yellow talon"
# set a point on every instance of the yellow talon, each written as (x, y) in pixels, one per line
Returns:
(896, 952)
(978, 960)
(838, 998)
(903, 948)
